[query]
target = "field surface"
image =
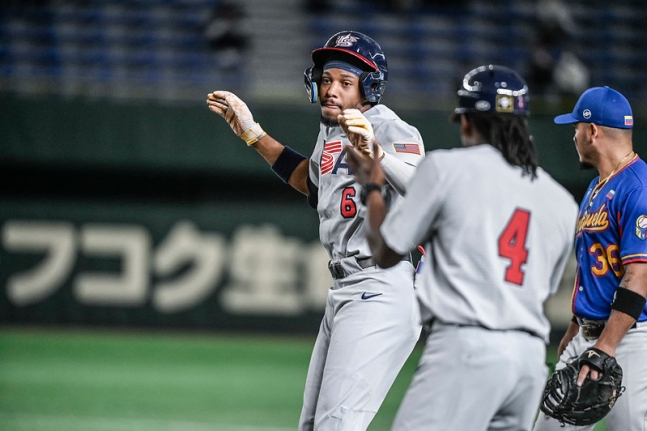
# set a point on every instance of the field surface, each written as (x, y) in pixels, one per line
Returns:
(66, 380)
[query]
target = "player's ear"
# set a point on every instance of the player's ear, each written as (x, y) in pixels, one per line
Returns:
(594, 130)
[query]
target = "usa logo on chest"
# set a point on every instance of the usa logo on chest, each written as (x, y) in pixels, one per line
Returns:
(330, 157)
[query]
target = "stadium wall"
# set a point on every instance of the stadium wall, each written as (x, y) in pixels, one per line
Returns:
(157, 216)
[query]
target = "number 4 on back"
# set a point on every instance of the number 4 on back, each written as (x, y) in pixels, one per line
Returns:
(512, 245)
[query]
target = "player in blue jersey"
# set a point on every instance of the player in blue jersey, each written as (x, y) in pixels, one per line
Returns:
(611, 252)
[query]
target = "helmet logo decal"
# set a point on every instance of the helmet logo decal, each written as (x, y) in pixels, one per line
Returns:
(482, 105)
(346, 40)
(504, 103)
(520, 102)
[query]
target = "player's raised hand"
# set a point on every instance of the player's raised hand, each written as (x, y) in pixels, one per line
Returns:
(359, 132)
(366, 170)
(237, 114)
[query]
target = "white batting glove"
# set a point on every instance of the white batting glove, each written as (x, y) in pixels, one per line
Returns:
(359, 132)
(237, 114)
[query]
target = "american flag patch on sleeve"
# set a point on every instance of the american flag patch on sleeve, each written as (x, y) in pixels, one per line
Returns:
(408, 148)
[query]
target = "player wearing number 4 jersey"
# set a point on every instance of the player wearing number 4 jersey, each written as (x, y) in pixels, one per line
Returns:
(498, 232)
(371, 323)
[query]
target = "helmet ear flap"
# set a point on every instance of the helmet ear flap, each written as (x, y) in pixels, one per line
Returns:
(311, 80)
(372, 85)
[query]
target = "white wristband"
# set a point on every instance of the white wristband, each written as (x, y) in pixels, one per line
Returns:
(252, 135)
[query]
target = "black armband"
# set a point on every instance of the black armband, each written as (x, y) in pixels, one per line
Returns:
(574, 320)
(286, 163)
(629, 302)
(366, 189)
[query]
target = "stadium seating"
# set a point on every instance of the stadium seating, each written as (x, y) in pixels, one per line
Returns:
(68, 47)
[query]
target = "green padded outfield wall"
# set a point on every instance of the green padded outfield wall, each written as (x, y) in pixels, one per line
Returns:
(190, 137)
(101, 223)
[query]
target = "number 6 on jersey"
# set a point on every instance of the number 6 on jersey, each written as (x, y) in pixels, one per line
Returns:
(512, 245)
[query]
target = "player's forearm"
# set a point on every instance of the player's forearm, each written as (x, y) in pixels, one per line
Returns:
(376, 213)
(614, 331)
(271, 149)
(383, 255)
(397, 172)
(299, 178)
(626, 308)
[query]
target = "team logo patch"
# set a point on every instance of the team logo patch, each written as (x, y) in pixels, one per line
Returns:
(345, 40)
(586, 114)
(629, 120)
(407, 148)
(504, 103)
(331, 152)
(641, 227)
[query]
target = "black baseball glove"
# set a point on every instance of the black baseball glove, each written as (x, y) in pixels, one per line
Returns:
(589, 403)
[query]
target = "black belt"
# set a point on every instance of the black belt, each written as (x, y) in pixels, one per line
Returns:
(338, 272)
(592, 329)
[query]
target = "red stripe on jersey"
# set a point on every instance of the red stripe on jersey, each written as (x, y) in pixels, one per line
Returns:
(634, 258)
(332, 147)
(327, 163)
(328, 156)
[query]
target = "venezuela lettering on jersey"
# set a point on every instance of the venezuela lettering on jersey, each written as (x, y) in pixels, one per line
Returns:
(333, 158)
(596, 221)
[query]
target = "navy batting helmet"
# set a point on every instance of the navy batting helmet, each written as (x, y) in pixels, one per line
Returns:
(493, 88)
(358, 50)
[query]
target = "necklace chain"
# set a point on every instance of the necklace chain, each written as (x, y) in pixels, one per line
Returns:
(601, 183)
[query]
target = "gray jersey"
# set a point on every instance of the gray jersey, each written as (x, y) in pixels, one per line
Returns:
(496, 242)
(341, 216)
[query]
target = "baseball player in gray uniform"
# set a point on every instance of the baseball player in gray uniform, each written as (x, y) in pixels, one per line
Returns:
(497, 231)
(371, 320)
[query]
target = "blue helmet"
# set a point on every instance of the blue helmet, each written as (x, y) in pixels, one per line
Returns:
(495, 89)
(357, 49)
